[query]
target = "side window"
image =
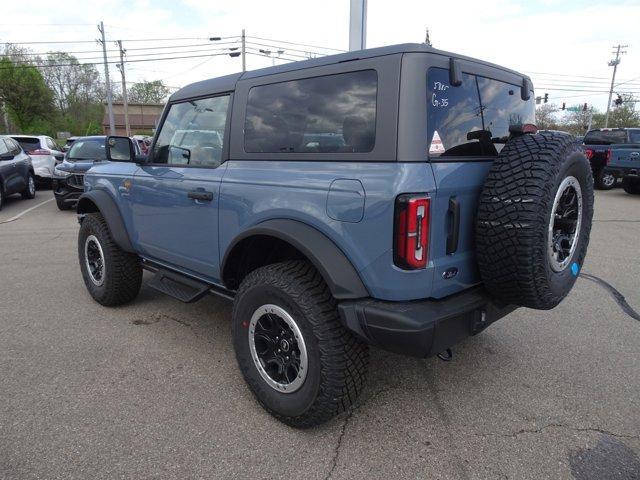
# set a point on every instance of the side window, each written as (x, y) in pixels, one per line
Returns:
(14, 147)
(503, 106)
(51, 144)
(4, 148)
(452, 114)
(332, 113)
(193, 133)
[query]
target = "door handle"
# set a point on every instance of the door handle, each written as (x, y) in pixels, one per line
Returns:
(200, 194)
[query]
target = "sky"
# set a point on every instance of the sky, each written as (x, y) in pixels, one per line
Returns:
(564, 45)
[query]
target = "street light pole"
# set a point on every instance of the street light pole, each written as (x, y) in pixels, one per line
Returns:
(358, 25)
(244, 52)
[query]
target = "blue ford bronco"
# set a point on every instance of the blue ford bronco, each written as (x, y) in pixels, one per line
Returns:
(397, 196)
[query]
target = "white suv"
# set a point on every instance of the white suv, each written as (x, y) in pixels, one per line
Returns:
(44, 153)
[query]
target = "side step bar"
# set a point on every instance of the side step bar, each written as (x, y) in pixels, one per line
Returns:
(181, 287)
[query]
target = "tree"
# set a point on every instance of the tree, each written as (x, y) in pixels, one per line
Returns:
(545, 117)
(71, 82)
(148, 92)
(25, 96)
(625, 115)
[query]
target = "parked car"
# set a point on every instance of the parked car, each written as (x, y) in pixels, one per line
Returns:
(44, 153)
(598, 145)
(625, 163)
(68, 178)
(68, 143)
(16, 171)
(440, 211)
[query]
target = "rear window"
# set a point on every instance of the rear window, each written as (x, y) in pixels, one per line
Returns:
(634, 136)
(605, 137)
(334, 113)
(472, 119)
(87, 149)
(28, 143)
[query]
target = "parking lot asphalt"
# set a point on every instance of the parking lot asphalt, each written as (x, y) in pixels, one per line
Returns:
(152, 390)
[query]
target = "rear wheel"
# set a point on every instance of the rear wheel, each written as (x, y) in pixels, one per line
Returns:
(605, 180)
(300, 362)
(111, 275)
(30, 190)
(631, 185)
(534, 220)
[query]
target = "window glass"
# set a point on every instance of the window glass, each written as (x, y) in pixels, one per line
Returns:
(634, 136)
(605, 137)
(334, 113)
(453, 112)
(14, 147)
(87, 149)
(4, 149)
(472, 119)
(193, 133)
(502, 106)
(28, 143)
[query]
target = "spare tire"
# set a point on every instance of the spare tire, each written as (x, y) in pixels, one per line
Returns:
(534, 219)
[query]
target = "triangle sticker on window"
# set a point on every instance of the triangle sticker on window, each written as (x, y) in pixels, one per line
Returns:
(436, 145)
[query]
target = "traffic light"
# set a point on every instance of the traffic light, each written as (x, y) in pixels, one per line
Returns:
(546, 97)
(564, 105)
(538, 100)
(584, 107)
(618, 101)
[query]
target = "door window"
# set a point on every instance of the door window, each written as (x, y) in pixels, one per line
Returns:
(193, 133)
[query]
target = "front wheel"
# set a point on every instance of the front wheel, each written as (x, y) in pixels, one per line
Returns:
(29, 191)
(300, 362)
(62, 205)
(111, 275)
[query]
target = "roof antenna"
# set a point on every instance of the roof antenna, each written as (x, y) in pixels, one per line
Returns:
(427, 40)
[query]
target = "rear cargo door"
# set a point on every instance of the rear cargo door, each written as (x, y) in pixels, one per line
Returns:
(467, 126)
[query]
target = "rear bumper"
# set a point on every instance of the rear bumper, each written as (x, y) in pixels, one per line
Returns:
(425, 327)
(621, 172)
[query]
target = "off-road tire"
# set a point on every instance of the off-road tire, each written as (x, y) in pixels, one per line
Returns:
(122, 273)
(2, 197)
(514, 214)
(631, 186)
(27, 193)
(601, 182)
(337, 360)
(62, 206)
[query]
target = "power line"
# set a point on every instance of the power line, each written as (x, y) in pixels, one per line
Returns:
(54, 42)
(287, 48)
(114, 62)
(298, 44)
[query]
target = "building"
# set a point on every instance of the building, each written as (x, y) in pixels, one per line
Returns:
(143, 118)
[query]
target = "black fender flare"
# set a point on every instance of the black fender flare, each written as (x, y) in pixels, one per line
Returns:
(334, 266)
(100, 201)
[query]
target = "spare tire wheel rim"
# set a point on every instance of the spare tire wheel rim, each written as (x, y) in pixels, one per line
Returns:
(564, 224)
(277, 348)
(94, 260)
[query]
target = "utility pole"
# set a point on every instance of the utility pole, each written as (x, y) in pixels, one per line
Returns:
(112, 125)
(614, 64)
(125, 100)
(244, 52)
(358, 25)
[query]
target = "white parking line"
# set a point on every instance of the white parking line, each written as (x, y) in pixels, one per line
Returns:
(16, 217)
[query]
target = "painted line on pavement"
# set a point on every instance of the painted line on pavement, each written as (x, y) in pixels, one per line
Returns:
(16, 217)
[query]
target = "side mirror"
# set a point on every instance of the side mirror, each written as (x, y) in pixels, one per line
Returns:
(120, 149)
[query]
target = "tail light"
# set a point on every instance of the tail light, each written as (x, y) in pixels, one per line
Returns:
(411, 231)
(588, 153)
(39, 151)
(608, 157)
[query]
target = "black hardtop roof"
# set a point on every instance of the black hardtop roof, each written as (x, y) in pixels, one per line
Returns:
(228, 82)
